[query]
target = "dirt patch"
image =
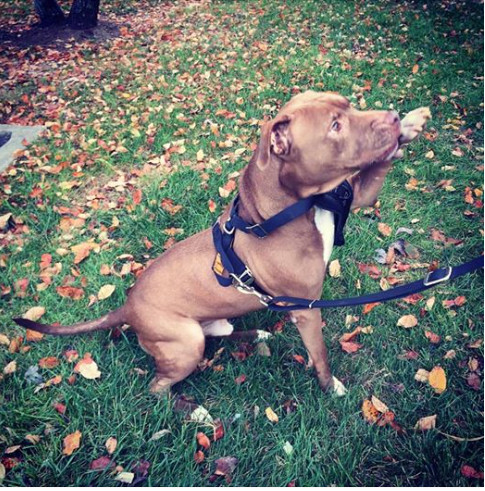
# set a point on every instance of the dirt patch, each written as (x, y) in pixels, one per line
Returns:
(58, 37)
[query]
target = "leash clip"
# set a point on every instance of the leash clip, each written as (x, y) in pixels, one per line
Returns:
(224, 227)
(244, 286)
(429, 282)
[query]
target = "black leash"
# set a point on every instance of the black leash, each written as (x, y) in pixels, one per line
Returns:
(230, 270)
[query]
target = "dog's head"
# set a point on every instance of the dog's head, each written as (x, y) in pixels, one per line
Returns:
(319, 140)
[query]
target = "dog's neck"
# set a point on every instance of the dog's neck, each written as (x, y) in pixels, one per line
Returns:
(261, 192)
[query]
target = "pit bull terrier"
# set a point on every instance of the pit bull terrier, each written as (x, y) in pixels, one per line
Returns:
(316, 142)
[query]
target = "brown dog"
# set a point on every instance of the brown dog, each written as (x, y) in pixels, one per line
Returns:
(315, 142)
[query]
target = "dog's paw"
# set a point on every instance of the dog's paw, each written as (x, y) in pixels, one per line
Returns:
(338, 387)
(413, 124)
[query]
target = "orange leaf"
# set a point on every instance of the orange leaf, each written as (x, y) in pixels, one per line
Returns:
(203, 440)
(348, 336)
(199, 457)
(415, 68)
(437, 379)
(433, 338)
(350, 346)
(369, 306)
(218, 430)
(71, 442)
(33, 336)
(70, 292)
(48, 362)
(299, 359)
(370, 413)
(136, 195)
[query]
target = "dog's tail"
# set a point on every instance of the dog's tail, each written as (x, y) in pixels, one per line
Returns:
(111, 319)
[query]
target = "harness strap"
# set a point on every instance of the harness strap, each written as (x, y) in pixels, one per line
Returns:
(431, 279)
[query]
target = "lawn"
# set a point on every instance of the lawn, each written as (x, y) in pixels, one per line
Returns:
(146, 133)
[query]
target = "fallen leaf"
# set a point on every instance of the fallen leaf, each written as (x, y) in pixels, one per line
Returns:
(203, 440)
(83, 250)
(101, 463)
(384, 229)
(469, 471)
(288, 448)
(370, 413)
(199, 457)
(426, 423)
(106, 291)
(125, 477)
(10, 368)
(369, 306)
(70, 292)
(334, 269)
(437, 379)
(71, 442)
(271, 415)
(33, 336)
(59, 407)
(474, 381)
(433, 338)
(241, 379)
(218, 430)
(225, 466)
(34, 439)
(263, 349)
(87, 367)
(111, 444)
(159, 434)
(379, 405)
(48, 362)
(71, 355)
(34, 313)
(422, 375)
(350, 346)
(201, 415)
(407, 321)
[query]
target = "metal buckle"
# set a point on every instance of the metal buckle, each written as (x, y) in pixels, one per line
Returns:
(238, 281)
(429, 282)
(244, 286)
(224, 228)
(257, 226)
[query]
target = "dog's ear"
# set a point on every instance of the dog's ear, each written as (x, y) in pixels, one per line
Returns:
(275, 138)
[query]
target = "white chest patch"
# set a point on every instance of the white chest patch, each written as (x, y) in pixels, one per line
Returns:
(324, 221)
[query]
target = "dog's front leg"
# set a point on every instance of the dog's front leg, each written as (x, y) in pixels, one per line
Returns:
(309, 324)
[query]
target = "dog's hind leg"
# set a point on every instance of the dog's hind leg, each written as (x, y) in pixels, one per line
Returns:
(177, 352)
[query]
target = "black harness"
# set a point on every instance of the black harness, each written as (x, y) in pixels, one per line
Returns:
(230, 270)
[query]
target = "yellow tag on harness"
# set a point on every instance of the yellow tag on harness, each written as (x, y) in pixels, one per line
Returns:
(217, 267)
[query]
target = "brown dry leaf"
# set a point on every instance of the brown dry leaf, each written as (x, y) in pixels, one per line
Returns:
(271, 415)
(15, 344)
(87, 367)
(48, 362)
(111, 444)
(4, 340)
(407, 321)
(34, 313)
(433, 338)
(349, 336)
(70, 292)
(384, 229)
(225, 466)
(370, 413)
(350, 346)
(450, 354)
(34, 439)
(379, 405)
(426, 423)
(106, 291)
(437, 379)
(71, 442)
(83, 250)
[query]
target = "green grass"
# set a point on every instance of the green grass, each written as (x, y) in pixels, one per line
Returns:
(165, 80)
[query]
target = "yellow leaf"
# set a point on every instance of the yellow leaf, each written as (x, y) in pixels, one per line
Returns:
(379, 405)
(72, 442)
(271, 415)
(10, 368)
(334, 269)
(407, 321)
(87, 367)
(34, 314)
(437, 379)
(370, 413)
(105, 292)
(426, 423)
(111, 444)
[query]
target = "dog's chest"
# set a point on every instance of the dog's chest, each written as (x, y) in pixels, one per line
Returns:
(324, 221)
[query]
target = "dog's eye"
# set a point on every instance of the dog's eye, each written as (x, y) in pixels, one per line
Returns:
(335, 126)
